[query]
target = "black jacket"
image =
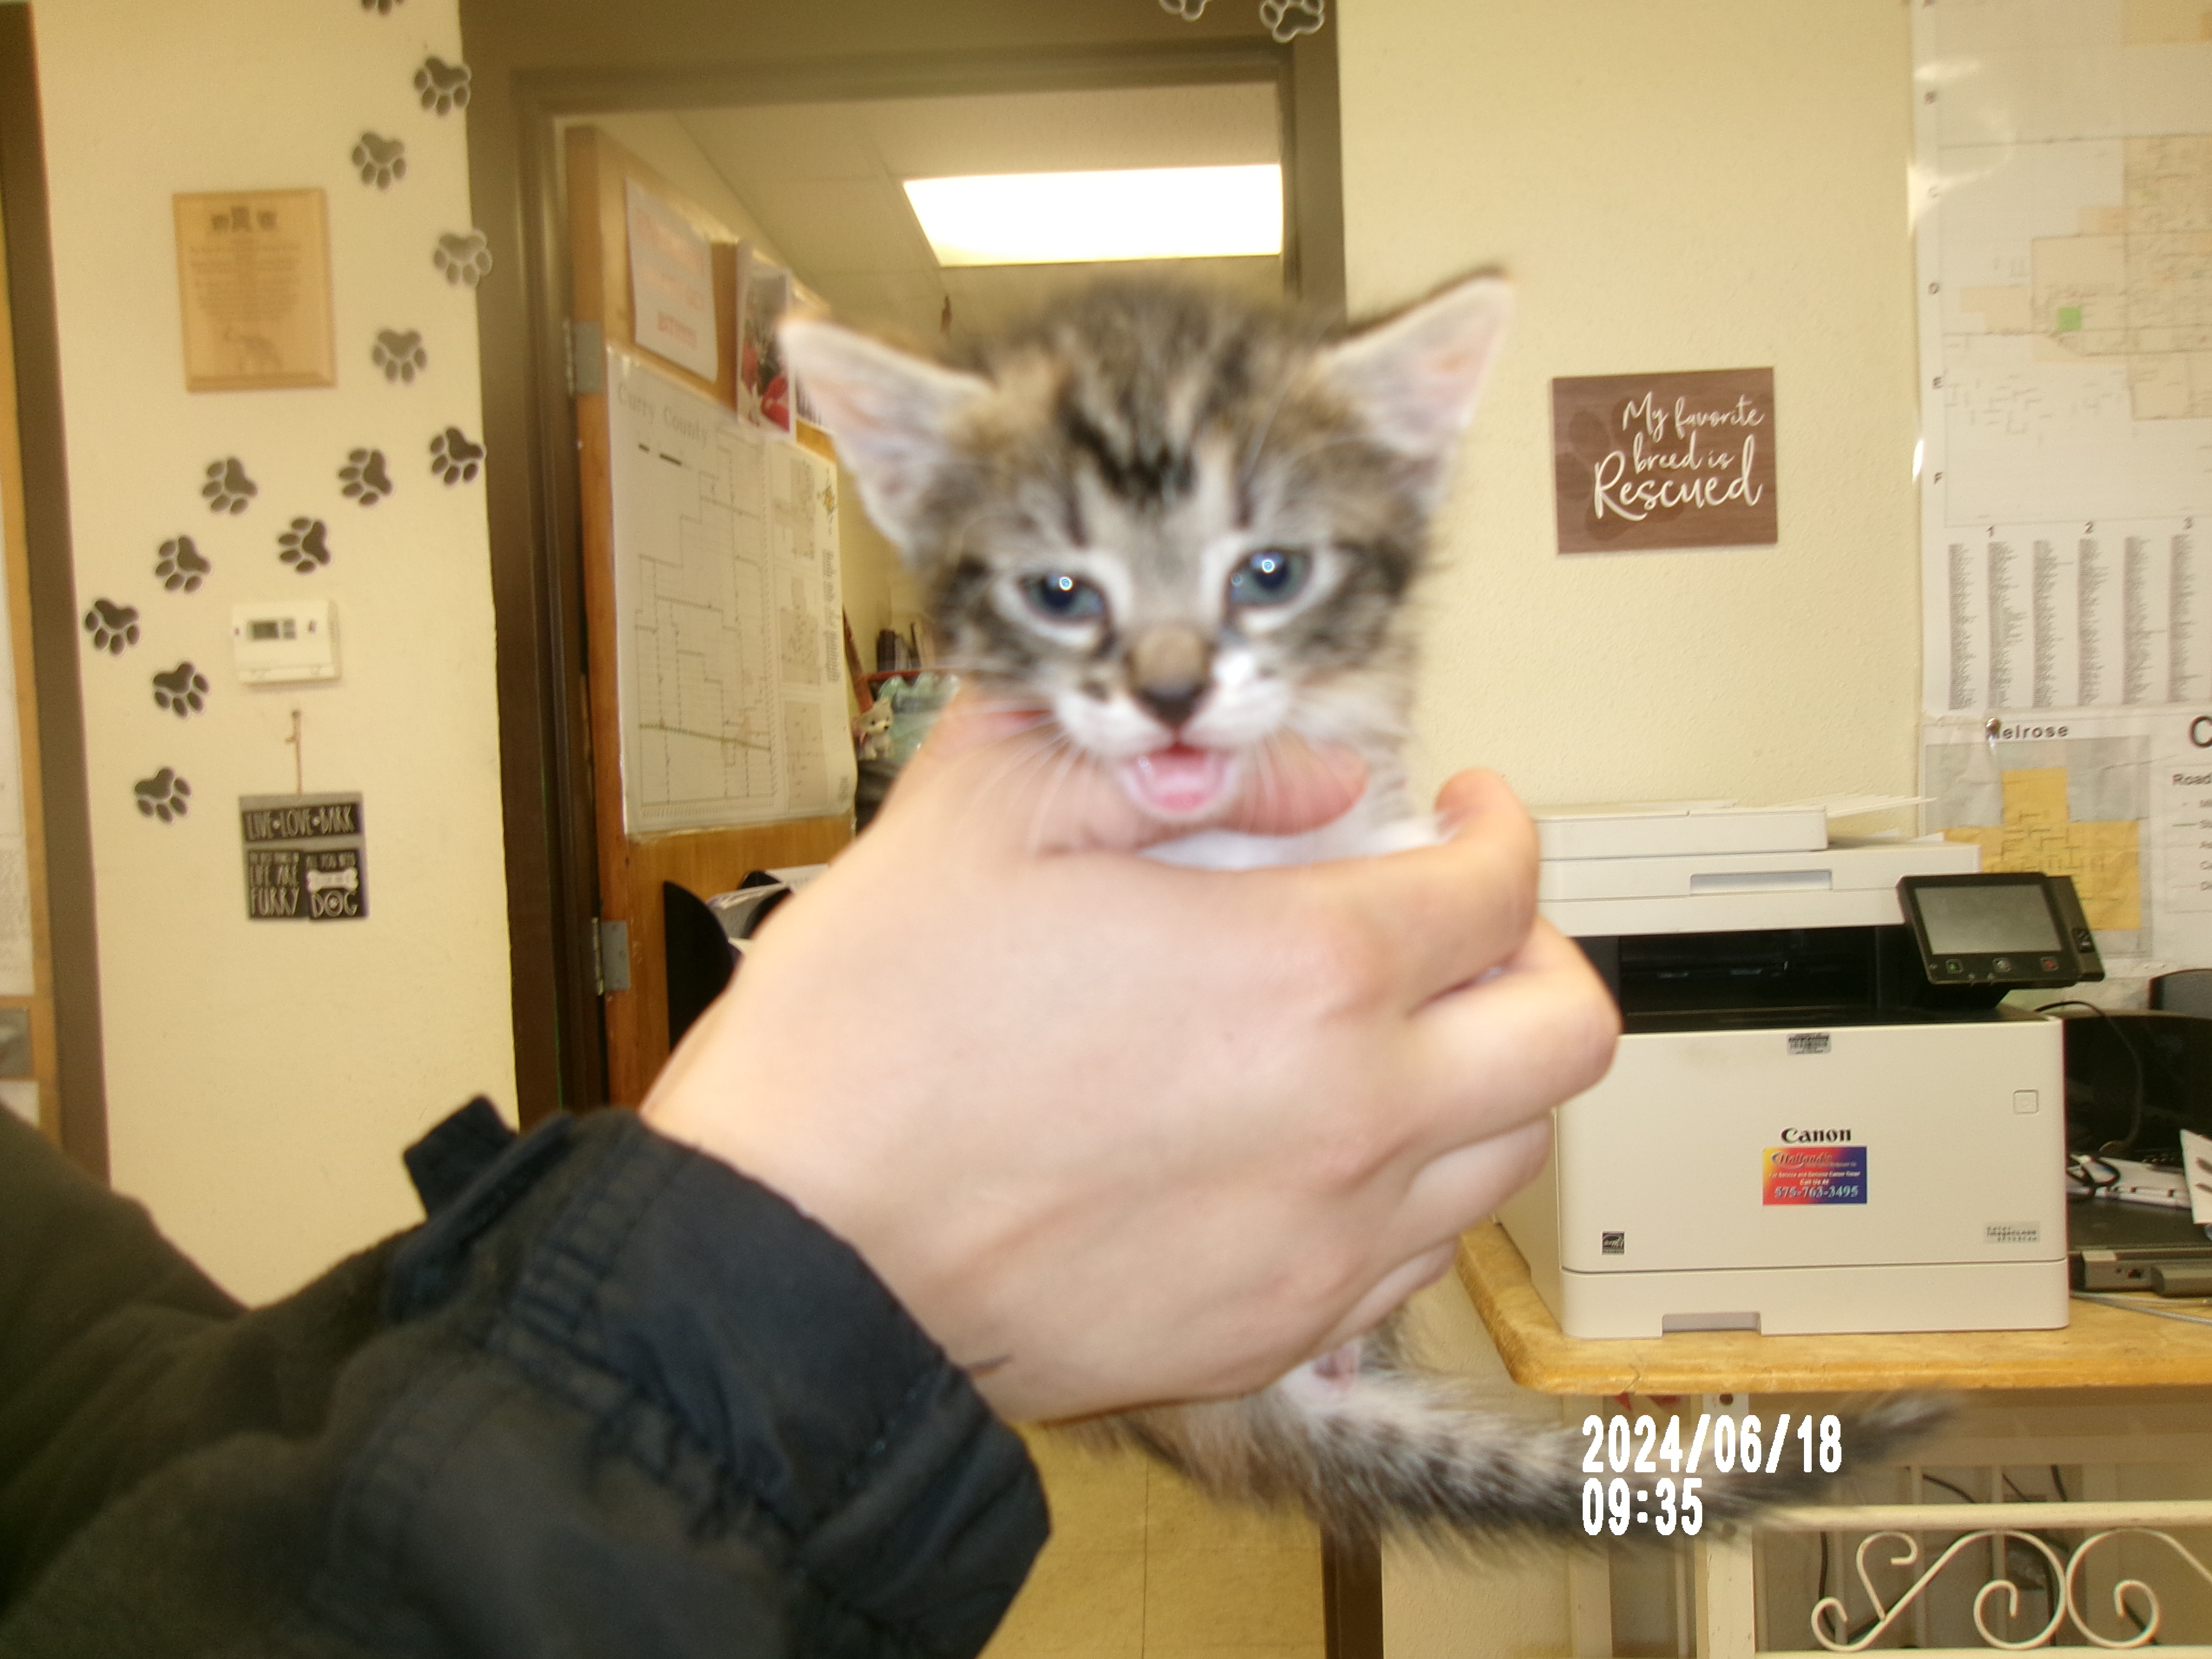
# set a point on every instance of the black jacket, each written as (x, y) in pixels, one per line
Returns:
(612, 1399)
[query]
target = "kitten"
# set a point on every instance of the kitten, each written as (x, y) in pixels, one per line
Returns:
(1185, 525)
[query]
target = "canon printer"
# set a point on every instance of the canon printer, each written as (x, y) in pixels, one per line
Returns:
(1819, 1118)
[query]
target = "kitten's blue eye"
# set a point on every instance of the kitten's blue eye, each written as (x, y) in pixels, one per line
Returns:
(1270, 576)
(1063, 597)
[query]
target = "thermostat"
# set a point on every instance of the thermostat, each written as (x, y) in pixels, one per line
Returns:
(282, 641)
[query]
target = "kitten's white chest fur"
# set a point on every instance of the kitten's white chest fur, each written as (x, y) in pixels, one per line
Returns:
(1376, 823)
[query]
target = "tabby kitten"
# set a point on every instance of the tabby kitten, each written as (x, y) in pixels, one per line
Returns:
(1186, 524)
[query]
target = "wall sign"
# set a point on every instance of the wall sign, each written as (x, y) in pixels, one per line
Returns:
(1643, 461)
(253, 270)
(671, 284)
(304, 858)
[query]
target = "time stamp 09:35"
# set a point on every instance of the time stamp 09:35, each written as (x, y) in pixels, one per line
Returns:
(1672, 1501)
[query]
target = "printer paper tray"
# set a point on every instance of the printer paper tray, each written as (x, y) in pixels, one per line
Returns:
(1974, 1295)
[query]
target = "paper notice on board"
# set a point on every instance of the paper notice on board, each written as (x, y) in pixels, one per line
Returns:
(671, 284)
(730, 649)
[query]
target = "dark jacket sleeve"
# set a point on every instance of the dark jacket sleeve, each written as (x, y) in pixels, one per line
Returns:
(613, 1398)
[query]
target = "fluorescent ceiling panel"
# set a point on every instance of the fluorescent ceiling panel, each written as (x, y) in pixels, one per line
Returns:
(1067, 218)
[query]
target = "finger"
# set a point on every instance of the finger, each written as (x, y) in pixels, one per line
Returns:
(1452, 1193)
(1306, 786)
(1444, 915)
(1492, 1056)
(971, 722)
(1466, 1185)
(1402, 1282)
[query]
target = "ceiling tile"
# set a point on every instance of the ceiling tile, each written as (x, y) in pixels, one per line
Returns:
(783, 140)
(1076, 131)
(824, 225)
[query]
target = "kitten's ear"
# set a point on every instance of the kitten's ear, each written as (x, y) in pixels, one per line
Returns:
(1416, 376)
(889, 412)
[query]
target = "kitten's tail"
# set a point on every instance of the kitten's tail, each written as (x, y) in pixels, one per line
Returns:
(1387, 1453)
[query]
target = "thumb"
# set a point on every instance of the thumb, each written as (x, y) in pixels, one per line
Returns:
(1019, 781)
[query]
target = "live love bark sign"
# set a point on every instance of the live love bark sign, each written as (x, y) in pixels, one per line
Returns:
(1664, 460)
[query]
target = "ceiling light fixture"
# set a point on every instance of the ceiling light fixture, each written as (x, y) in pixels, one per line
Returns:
(1064, 218)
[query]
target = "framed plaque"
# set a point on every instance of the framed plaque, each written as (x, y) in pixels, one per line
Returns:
(253, 275)
(1650, 461)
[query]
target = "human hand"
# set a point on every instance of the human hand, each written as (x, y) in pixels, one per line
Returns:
(1117, 1133)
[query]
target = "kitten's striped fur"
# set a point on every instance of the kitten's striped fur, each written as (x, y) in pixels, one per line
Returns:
(1137, 455)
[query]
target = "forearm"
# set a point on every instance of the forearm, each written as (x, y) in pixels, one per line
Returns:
(613, 1392)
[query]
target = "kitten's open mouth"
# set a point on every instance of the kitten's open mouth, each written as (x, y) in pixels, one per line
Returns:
(1179, 781)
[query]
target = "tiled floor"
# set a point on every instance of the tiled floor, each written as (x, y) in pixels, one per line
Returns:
(1141, 1567)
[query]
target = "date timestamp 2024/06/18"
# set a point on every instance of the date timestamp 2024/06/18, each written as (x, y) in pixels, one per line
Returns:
(1735, 1443)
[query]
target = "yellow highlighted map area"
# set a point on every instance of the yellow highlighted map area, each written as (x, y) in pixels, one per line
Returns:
(2038, 835)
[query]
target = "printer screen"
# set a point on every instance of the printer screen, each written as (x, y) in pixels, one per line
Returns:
(1984, 920)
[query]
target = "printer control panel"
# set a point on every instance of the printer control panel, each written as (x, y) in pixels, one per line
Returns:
(2000, 929)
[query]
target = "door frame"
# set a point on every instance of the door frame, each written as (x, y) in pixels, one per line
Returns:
(532, 62)
(56, 747)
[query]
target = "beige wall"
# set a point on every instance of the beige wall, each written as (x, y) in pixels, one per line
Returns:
(262, 1077)
(1697, 183)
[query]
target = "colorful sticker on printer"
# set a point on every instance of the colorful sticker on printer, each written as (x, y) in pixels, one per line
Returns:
(1815, 1175)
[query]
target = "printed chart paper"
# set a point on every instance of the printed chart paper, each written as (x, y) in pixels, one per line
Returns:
(2062, 185)
(730, 653)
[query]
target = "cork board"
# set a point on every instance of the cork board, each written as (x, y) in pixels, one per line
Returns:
(254, 276)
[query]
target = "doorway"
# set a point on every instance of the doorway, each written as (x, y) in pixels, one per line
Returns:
(746, 70)
(779, 78)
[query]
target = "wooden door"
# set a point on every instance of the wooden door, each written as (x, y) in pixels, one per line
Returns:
(632, 867)
(29, 1077)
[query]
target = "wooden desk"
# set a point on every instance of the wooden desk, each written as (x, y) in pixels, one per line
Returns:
(2104, 1347)
(2029, 1398)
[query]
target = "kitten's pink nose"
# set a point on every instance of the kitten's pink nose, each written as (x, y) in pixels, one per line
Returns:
(1170, 669)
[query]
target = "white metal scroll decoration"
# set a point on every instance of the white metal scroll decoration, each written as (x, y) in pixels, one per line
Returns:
(1829, 1621)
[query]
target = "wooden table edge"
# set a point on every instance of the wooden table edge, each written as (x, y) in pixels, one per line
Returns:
(2103, 1347)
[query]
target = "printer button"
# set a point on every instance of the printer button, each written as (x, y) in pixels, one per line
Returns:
(2002, 964)
(2049, 964)
(2027, 1101)
(1952, 965)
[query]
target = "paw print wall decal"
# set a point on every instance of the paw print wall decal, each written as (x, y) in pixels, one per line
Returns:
(305, 546)
(400, 355)
(112, 626)
(381, 161)
(182, 567)
(1189, 10)
(464, 258)
(164, 796)
(227, 489)
(453, 457)
(183, 690)
(381, 8)
(1287, 19)
(443, 87)
(364, 477)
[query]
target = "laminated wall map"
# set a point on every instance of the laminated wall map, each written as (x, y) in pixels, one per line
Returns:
(729, 651)
(2061, 193)
(2120, 799)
